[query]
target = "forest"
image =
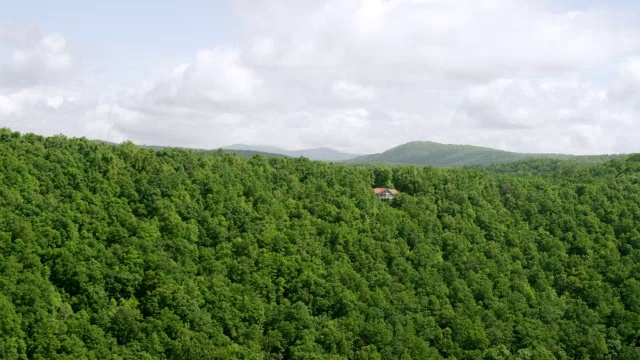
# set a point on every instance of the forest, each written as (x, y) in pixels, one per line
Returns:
(124, 252)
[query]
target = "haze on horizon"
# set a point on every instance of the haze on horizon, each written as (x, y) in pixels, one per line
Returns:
(358, 76)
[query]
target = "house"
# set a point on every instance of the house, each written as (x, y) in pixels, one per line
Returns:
(386, 194)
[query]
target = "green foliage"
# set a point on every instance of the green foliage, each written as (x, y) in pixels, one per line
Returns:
(122, 252)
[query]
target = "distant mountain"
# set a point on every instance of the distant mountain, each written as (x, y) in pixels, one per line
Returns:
(420, 153)
(447, 155)
(324, 154)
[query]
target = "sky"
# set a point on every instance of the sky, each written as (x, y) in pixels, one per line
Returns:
(358, 76)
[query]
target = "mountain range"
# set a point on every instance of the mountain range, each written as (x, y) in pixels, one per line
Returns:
(421, 153)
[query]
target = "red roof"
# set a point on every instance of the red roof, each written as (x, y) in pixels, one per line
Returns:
(381, 190)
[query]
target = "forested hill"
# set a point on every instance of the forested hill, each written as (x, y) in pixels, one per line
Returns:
(122, 252)
(448, 155)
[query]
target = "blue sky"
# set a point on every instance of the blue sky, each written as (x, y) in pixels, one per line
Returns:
(124, 38)
(522, 75)
(156, 25)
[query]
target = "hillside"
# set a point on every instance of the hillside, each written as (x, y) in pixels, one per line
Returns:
(543, 167)
(323, 154)
(123, 252)
(446, 155)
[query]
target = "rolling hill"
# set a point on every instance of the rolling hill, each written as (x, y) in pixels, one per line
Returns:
(448, 155)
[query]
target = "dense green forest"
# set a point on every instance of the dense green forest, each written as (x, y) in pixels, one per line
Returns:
(241, 153)
(124, 252)
(555, 168)
(449, 155)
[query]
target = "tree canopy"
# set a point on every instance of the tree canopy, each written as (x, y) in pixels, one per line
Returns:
(122, 252)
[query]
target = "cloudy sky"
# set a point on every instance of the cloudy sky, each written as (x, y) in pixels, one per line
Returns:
(355, 75)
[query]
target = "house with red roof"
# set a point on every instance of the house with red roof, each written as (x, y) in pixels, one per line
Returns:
(385, 193)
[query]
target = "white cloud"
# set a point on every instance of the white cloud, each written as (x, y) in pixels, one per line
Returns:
(350, 91)
(6, 106)
(54, 102)
(215, 79)
(547, 114)
(466, 38)
(630, 69)
(361, 76)
(46, 110)
(35, 59)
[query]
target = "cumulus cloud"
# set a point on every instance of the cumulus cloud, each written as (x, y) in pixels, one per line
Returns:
(365, 75)
(550, 114)
(35, 59)
(349, 91)
(480, 72)
(466, 38)
(215, 79)
(531, 104)
(49, 110)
